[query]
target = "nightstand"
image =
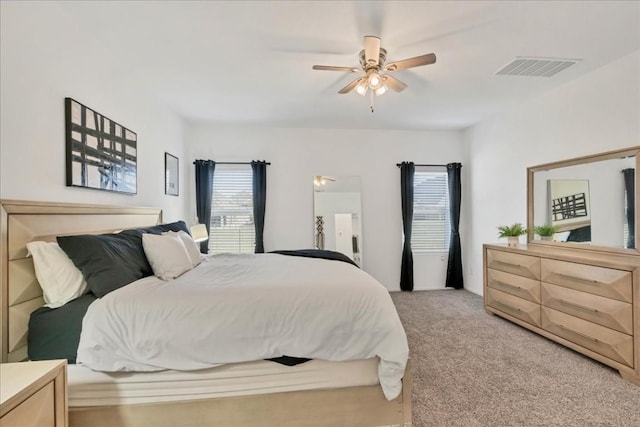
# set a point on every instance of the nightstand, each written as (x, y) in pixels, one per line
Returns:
(34, 394)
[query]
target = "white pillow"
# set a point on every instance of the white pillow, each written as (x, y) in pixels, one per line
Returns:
(166, 254)
(193, 249)
(60, 279)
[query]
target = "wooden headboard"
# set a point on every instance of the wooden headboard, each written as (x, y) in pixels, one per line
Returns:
(22, 222)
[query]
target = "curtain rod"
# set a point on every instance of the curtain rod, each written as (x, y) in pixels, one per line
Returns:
(235, 163)
(444, 166)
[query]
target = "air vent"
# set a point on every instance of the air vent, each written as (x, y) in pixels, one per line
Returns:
(537, 67)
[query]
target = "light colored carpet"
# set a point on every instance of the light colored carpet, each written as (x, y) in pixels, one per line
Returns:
(474, 369)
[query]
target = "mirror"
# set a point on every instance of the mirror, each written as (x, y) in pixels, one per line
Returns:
(589, 201)
(337, 210)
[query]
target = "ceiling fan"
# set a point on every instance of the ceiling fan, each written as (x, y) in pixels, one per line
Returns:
(372, 61)
(319, 180)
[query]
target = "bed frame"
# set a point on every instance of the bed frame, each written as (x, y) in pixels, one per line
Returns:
(24, 221)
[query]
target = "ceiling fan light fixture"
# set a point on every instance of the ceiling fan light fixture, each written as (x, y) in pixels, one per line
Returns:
(381, 90)
(374, 80)
(362, 88)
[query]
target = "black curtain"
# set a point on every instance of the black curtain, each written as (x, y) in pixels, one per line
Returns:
(204, 188)
(630, 194)
(407, 172)
(259, 201)
(454, 267)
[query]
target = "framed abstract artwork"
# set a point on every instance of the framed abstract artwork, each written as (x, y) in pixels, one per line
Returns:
(100, 153)
(171, 171)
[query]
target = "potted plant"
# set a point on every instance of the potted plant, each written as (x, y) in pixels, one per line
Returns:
(545, 231)
(512, 233)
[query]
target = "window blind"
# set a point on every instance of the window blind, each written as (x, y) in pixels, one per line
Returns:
(231, 228)
(431, 227)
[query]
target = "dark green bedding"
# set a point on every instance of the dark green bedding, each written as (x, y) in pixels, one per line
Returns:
(54, 333)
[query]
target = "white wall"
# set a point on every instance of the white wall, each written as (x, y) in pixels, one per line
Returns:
(598, 112)
(38, 69)
(297, 155)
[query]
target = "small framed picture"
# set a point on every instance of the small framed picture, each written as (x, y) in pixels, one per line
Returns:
(170, 175)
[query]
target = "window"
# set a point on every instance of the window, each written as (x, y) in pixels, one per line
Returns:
(431, 228)
(231, 228)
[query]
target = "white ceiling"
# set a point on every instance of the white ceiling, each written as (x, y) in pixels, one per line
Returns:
(249, 62)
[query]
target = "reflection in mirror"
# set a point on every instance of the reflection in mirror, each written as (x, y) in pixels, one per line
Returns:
(569, 210)
(590, 203)
(337, 211)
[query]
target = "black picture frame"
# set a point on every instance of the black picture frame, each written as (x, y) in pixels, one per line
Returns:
(101, 154)
(171, 175)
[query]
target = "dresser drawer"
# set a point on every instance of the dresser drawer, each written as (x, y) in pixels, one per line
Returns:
(36, 411)
(606, 282)
(607, 342)
(607, 312)
(514, 306)
(522, 265)
(519, 286)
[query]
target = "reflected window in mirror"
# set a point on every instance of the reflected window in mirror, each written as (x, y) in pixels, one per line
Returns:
(587, 201)
(629, 176)
(337, 209)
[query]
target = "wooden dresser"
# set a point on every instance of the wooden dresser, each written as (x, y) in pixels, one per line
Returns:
(589, 302)
(33, 394)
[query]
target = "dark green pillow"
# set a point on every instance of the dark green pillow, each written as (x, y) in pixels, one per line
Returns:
(161, 228)
(107, 261)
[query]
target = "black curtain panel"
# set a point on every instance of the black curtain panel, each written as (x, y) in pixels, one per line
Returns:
(204, 188)
(407, 172)
(454, 267)
(259, 201)
(630, 194)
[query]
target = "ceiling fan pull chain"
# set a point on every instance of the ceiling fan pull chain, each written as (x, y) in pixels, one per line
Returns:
(371, 103)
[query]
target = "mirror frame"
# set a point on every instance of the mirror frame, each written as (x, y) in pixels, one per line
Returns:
(631, 151)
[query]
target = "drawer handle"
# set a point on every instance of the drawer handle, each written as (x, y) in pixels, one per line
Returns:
(509, 285)
(581, 307)
(508, 263)
(587, 281)
(578, 333)
(501, 304)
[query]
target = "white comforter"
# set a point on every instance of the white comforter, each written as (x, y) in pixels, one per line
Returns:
(237, 308)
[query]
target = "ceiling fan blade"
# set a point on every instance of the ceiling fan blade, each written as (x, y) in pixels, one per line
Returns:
(411, 62)
(393, 83)
(348, 88)
(332, 68)
(372, 49)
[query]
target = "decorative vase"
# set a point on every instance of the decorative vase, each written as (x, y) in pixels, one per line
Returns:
(319, 232)
(513, 241)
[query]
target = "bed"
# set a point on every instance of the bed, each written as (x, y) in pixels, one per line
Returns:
(355, 401)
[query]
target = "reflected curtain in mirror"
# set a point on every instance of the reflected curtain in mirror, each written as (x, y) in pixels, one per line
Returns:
(630, 202)
(204, 187)
(454, 265)
(259, 169)
(407, 172)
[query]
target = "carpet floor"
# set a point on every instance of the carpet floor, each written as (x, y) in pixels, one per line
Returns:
(473, 369)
